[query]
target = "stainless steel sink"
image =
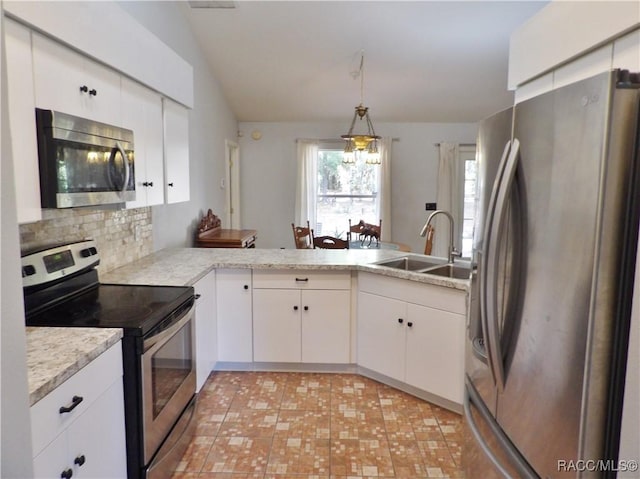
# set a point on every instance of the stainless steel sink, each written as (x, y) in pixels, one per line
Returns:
(412, 263)
(450, 271)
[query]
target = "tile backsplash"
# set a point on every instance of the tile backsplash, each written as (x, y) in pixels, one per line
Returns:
(122, 236)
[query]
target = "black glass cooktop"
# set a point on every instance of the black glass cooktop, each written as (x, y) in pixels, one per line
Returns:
(136, 309)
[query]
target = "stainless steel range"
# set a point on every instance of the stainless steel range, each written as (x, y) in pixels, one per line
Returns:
(61, 288)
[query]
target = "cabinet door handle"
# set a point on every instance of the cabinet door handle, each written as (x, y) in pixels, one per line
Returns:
(246, 286)
(66, 474)
(295, 308)
(84, 88)
(170, 184)
(75, 401)
(400, 320)
(197, 296)
(306, 308)
(147, 183)
(409, 324)
(93, 92)
(302, 280)
(80, 460)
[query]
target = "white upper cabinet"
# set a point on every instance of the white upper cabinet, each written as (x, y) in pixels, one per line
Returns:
(574, 40)
(22, 121)
(142, 113)
(176, 151)
(43, 73)
(69, 82)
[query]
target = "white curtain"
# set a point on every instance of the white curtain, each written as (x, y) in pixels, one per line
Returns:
(449, 198)
(306, 184)
(384, 196)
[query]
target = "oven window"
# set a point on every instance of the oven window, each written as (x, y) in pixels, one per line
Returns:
(170, 366)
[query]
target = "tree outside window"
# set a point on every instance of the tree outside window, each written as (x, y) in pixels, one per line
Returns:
(344, 192)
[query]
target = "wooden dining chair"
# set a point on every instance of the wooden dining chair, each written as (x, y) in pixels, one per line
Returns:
(428, 245)
(355, 228)
(330, 242)
(302, 236)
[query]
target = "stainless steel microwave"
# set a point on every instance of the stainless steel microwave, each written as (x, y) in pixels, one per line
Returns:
(83, 162)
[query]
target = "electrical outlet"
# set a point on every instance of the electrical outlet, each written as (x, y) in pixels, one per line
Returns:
(430, 206)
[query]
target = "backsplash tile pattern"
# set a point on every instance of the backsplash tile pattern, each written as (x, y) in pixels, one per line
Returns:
(122, 235)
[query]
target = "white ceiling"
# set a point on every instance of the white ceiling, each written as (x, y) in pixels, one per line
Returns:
(425, 61)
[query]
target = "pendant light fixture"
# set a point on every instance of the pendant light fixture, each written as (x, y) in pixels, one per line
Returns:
(361, 146)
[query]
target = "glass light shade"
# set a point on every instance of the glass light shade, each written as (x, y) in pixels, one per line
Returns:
(348, 156)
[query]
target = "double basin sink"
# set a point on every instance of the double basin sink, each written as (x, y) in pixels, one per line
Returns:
(428, 265)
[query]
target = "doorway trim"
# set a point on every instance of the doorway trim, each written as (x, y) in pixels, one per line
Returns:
(232, 183)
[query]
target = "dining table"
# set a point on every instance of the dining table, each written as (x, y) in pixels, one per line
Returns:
(392, 245)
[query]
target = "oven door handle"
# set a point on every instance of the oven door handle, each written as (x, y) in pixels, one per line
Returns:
(156, 341)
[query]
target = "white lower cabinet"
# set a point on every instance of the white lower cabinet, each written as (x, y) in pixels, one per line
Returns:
(206, 328)
(413, 333)
(234, 309)
(382, 334)
(88, 440)
(301, 316)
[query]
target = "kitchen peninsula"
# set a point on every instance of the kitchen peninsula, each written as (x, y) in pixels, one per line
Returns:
(319, 310)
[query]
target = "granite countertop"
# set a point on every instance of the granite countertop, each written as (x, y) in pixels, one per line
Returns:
(185, 266)
(56, 354)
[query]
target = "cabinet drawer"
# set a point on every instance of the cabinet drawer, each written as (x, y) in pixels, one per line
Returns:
(301, 279)
(90, 382)
(438, 297)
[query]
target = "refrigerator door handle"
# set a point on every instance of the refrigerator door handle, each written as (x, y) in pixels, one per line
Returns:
(491, 264)
(471, 396)
(487, 239)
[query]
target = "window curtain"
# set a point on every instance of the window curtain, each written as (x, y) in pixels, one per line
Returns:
(306, 184)
(449, 198)
(384, 196)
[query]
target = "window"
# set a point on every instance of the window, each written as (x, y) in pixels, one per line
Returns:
(469, 201)
(344, 192)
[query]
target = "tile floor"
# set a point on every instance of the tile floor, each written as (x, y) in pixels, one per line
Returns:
(254, 425)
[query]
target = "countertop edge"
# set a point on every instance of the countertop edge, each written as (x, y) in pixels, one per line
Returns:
(160, 267)
(45, 375)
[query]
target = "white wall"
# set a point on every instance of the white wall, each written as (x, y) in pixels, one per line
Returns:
(210, 123)
(15, 431)
(268, 174)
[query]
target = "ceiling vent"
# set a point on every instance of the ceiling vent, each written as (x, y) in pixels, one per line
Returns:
(212, 4)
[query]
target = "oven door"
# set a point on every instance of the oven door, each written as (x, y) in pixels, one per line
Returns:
(168, 378)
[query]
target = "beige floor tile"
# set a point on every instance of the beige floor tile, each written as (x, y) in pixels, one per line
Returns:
(196, 454)
(361, 457)
(257, 425)
(209, 419)
(302, 396)
(305, 424)
(361, 424)
(291, 455)
(238, 455)
(249, 423)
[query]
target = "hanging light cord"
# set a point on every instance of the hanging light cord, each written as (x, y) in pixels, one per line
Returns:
(362, 77)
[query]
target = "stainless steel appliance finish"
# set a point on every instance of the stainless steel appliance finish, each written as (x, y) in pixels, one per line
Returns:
(83, 162)
(168, 379)
(551, 296)
(61, 289)
(57, 261)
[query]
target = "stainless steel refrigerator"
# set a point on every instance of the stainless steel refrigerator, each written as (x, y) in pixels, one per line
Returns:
(554, 248)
